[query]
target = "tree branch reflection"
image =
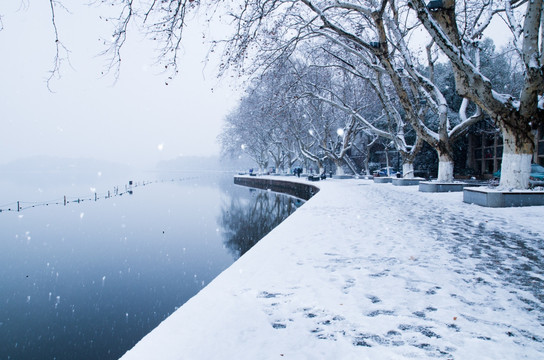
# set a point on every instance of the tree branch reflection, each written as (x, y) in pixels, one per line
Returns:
(245, 222)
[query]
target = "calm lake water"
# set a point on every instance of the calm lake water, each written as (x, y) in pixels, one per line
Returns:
(88, 280)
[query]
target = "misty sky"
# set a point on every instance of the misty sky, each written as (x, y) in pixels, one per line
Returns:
(138, 120)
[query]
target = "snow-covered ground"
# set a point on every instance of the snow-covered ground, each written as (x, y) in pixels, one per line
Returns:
(373, 271)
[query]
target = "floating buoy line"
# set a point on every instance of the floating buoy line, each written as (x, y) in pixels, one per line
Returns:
(18, 206)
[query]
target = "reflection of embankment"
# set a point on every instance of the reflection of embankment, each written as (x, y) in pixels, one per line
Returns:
(245, 224)
(300, 190)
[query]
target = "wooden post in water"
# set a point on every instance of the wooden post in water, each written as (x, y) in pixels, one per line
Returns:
(18, 206)
(95, 198)
(64, 200)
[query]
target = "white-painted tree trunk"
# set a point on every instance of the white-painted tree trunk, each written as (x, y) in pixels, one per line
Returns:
(445, 169)
(388, 174)
(339, 169)
(515, 171)
(277, 166)
(408, 170)
(516, 164)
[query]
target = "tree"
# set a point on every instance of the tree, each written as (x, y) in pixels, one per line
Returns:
(333, 130)
(263, 124)
(372, 104)
(247, 130)
(377, 34)
(515, 114)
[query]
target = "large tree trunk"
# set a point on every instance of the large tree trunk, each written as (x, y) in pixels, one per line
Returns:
(263, 166)
(408, 159)
(339, 168)
(408, 170)
(388, 170)
(516, 159)
(321, 168)
(445, 168)
(514, 120)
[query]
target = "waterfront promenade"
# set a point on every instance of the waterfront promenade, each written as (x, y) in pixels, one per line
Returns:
(373, 271)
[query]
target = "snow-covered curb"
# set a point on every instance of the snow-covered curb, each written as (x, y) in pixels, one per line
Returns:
(354, 275)
(435, 186)
(498, 198)
(292, 186)
(406, 181)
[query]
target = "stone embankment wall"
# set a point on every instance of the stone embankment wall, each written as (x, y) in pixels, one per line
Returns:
(297, 189)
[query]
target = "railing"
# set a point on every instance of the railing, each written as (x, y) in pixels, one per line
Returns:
(18, 206)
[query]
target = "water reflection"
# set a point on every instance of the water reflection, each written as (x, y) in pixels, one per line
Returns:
(90, 279)
(244, 222)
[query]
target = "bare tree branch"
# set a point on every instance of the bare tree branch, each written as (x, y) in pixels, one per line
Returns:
(61, 52)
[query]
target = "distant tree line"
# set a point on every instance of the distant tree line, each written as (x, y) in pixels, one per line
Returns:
(321, 108)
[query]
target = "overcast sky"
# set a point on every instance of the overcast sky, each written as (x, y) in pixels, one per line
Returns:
(138, 120)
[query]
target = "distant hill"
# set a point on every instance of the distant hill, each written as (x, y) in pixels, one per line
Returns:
(47, 171)
(198, 163)
(61, 170)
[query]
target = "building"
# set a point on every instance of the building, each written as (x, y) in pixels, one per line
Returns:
(539, 156)
(485, 147)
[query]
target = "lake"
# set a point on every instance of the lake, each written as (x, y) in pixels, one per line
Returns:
(87, 280)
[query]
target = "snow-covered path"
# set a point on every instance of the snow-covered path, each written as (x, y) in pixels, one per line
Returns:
(373, 271)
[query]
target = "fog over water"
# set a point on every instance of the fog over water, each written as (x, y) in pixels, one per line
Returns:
(136, 119)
